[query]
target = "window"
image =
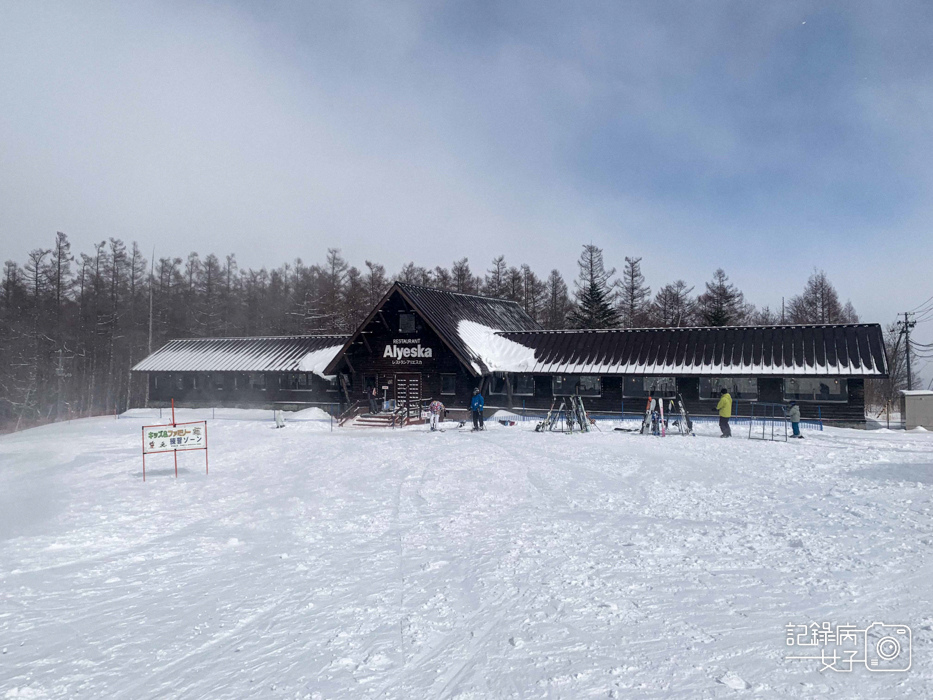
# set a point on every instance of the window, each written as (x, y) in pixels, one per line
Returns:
(180, 382)
(331, 383)
(257, 381)
(818, 389)
(522, 385)
(218, 381)
(406, 323)
(565, 385)
(649, 386)
(448, 384)
(297, 381)
(155, 381)
(739, 387)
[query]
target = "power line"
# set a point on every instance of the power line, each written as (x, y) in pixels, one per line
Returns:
(905, 326)
(917, 307)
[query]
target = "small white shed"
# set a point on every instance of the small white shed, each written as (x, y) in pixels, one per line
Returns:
(917, 409)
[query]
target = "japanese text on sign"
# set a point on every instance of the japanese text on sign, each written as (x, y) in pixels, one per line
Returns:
(172, 438)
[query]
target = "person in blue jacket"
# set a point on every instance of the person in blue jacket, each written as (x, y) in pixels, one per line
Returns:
(476, 406)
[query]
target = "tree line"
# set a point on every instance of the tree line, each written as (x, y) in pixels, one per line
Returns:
(72, 325)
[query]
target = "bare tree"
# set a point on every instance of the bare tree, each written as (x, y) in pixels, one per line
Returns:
(495, 282)
(634, 295)
(819, 303)
(673, 306)
(557, 305)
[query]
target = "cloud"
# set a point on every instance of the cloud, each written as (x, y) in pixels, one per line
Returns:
(694, 135)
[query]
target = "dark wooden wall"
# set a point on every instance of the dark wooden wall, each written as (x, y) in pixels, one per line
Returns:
(770, 390)
(200, 390)
(366, 358)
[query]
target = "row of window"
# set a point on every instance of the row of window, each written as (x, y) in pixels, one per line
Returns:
(741, 388)
(256, 381)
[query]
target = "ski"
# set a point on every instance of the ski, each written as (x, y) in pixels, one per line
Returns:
(646, 421)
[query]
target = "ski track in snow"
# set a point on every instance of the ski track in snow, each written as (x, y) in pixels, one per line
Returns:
(409, 564)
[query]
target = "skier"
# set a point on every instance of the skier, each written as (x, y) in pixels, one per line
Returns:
(794, 414)
(436, 409)
(725, 412)
(373, 398)
(476, 406)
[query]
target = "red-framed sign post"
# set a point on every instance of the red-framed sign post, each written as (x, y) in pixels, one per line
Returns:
(178, 437)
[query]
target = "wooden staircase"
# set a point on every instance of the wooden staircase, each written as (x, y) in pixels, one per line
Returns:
(356, 417)
(369, 420)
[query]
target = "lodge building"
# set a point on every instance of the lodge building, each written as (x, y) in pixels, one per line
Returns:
(419, 344)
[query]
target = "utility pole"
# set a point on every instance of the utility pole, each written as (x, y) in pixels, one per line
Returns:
(151, 278)
(905, 327)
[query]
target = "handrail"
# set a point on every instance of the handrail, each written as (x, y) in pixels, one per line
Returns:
(349, 413)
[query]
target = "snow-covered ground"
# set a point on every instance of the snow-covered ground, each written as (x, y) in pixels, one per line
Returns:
(405, 564)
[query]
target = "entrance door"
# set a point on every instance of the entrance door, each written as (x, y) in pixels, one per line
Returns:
(408, 392)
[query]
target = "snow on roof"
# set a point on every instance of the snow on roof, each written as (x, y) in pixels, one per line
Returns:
(317, 360)
(754, 351)
(498, 354)
(302, 353)
(916, 392)
(443, 311)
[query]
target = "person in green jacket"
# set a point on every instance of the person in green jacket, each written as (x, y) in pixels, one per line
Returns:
(725, 412)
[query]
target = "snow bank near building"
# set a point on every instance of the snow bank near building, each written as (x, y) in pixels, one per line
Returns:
(155, 415)
(497, 353)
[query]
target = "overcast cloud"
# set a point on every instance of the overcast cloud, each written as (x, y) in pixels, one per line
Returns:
(766, 138)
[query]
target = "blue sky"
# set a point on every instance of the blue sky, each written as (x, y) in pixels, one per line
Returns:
(766, 138)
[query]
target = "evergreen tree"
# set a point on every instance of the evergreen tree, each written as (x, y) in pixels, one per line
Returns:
(594, 306)
(722, 304)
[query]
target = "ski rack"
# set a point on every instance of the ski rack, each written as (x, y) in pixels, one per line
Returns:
(566, 417)
(656, 423)
(683, 422)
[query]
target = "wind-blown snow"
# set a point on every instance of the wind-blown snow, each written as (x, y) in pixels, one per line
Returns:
(497, 353)
(359, 564)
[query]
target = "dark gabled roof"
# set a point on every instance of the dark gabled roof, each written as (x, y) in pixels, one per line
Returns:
(847, 350)
(297, 353)
(445, 313)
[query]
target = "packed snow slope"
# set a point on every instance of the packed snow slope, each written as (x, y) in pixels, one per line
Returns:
(405, 564)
